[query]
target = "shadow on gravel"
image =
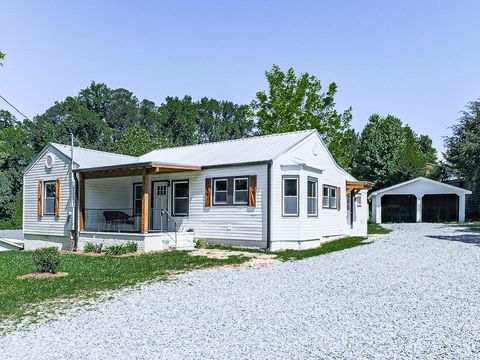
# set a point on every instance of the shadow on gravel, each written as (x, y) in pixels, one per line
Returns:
(465, 238)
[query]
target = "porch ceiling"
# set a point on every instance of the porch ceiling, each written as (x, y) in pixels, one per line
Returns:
(134, 169)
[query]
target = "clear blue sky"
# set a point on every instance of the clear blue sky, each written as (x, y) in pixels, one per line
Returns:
(418, 60)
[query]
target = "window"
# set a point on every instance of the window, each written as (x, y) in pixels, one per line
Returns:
(290, 196)
(240, 191)
(220, 192)
(312, 199)
(358, 199)
(50, 193)
(161, 190)
(137, 198)
(180, 198)
(329, 197)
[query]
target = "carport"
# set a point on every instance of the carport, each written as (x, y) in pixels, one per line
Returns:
(419, 200)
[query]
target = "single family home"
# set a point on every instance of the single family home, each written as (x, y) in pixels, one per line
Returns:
(273, 192)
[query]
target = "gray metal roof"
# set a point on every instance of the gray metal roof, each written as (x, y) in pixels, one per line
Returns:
(247, 150)
(87, 158)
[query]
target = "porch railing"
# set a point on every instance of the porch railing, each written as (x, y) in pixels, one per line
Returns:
(128, 220)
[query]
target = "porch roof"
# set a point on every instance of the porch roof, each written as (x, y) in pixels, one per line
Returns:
(133, 169)
(359, 185)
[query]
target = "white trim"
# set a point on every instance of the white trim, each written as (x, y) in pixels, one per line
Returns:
(314, 180)
(215, 202)
(235, 191)
(421, 178)
(297, 180)
(174, 183)
(45, 182)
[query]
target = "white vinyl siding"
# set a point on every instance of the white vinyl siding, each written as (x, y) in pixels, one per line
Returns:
(47, 225)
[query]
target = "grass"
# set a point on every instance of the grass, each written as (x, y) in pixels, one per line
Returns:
(331, 246)
(473, 225)
(233, 248)
(88, 276)
(377, 229)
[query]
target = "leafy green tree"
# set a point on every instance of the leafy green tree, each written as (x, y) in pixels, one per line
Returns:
(297, 103)
(223, 120)
(462, 154)
(2, 56)
(389, 152)
(177, 120)
(136, 141)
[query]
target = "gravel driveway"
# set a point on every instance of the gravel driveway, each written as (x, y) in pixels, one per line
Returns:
(411, 294)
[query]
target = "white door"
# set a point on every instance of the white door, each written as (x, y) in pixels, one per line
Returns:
(160, 205)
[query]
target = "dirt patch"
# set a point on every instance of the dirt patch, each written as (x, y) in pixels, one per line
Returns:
(38, 275)
(255, 258)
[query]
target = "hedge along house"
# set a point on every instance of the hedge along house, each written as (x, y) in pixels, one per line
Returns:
(274, 192)
(419, 200)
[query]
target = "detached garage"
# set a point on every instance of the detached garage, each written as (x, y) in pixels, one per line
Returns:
(419, 200)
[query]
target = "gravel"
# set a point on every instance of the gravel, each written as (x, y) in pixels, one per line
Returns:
(411, 294)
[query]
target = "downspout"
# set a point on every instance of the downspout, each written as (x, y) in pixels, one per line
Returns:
(75, 212)
(269, 198)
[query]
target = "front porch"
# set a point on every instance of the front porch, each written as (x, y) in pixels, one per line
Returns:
(134, 202)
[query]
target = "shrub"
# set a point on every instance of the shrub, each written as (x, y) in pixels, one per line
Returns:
(122, 249)
(46, 259)
(201, 244)
(91, 247)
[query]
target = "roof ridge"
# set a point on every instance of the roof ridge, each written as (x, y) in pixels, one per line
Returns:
(234, 140)
(98, 151)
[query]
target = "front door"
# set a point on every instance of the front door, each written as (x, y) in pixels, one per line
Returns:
(160, 205)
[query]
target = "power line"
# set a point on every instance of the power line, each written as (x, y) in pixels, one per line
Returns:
(9, 103)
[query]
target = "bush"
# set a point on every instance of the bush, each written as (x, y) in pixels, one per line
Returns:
(46, 259)
(122, 249)
(201, 244)
(93, 248)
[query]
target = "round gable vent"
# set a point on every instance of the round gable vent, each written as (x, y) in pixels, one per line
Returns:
(316, 149)
(49, 161)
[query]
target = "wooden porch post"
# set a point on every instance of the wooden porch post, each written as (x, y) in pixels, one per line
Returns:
(144, 228)
(82, 202)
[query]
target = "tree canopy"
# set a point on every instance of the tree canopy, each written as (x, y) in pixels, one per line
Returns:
(462, 154)
(297, 103)
(389, 152)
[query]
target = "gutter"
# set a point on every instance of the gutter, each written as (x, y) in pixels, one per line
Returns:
(76, 213)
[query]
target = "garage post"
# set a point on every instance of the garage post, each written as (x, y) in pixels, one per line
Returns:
(419, 207)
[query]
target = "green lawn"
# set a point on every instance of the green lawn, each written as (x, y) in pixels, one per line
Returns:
(87, 276)
(377, 229)
(331, 246)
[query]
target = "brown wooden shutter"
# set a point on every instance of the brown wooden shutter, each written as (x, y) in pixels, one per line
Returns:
(339, 198)
(57, 197)
(40, 198)
(208, 192)
(252, 191)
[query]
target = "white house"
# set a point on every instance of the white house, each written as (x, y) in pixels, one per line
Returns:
(418, 200)
(277, 191)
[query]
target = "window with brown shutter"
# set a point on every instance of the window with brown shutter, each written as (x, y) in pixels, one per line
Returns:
(40, 198)
(208, 192)
(57, 197)
(252, 191)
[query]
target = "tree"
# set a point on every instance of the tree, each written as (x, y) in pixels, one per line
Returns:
(136, 141)
(298, 103)
(177, 120)
(462, 154)
(2, 56)
(223, 120)
(389, 152)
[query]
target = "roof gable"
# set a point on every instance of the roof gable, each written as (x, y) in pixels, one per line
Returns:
(428, 182)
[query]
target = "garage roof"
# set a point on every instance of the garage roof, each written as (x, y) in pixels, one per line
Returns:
(426, 181)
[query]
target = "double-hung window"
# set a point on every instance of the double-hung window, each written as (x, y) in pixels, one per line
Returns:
(137, 198)
(50, 194)
(240, 191)
(329, 197)
(180, 198)
(312, 198)
(358, 199)
(290, 196)
(220, 191)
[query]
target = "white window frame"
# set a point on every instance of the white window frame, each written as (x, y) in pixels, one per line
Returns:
(358, 199)
(174, 184)
(135, 199)
(235, 191)
(215, 202)
(45, 183)
(296, 178)
(315, 181)
(330, 197)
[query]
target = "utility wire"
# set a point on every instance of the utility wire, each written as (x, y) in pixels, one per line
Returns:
(25, 116)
